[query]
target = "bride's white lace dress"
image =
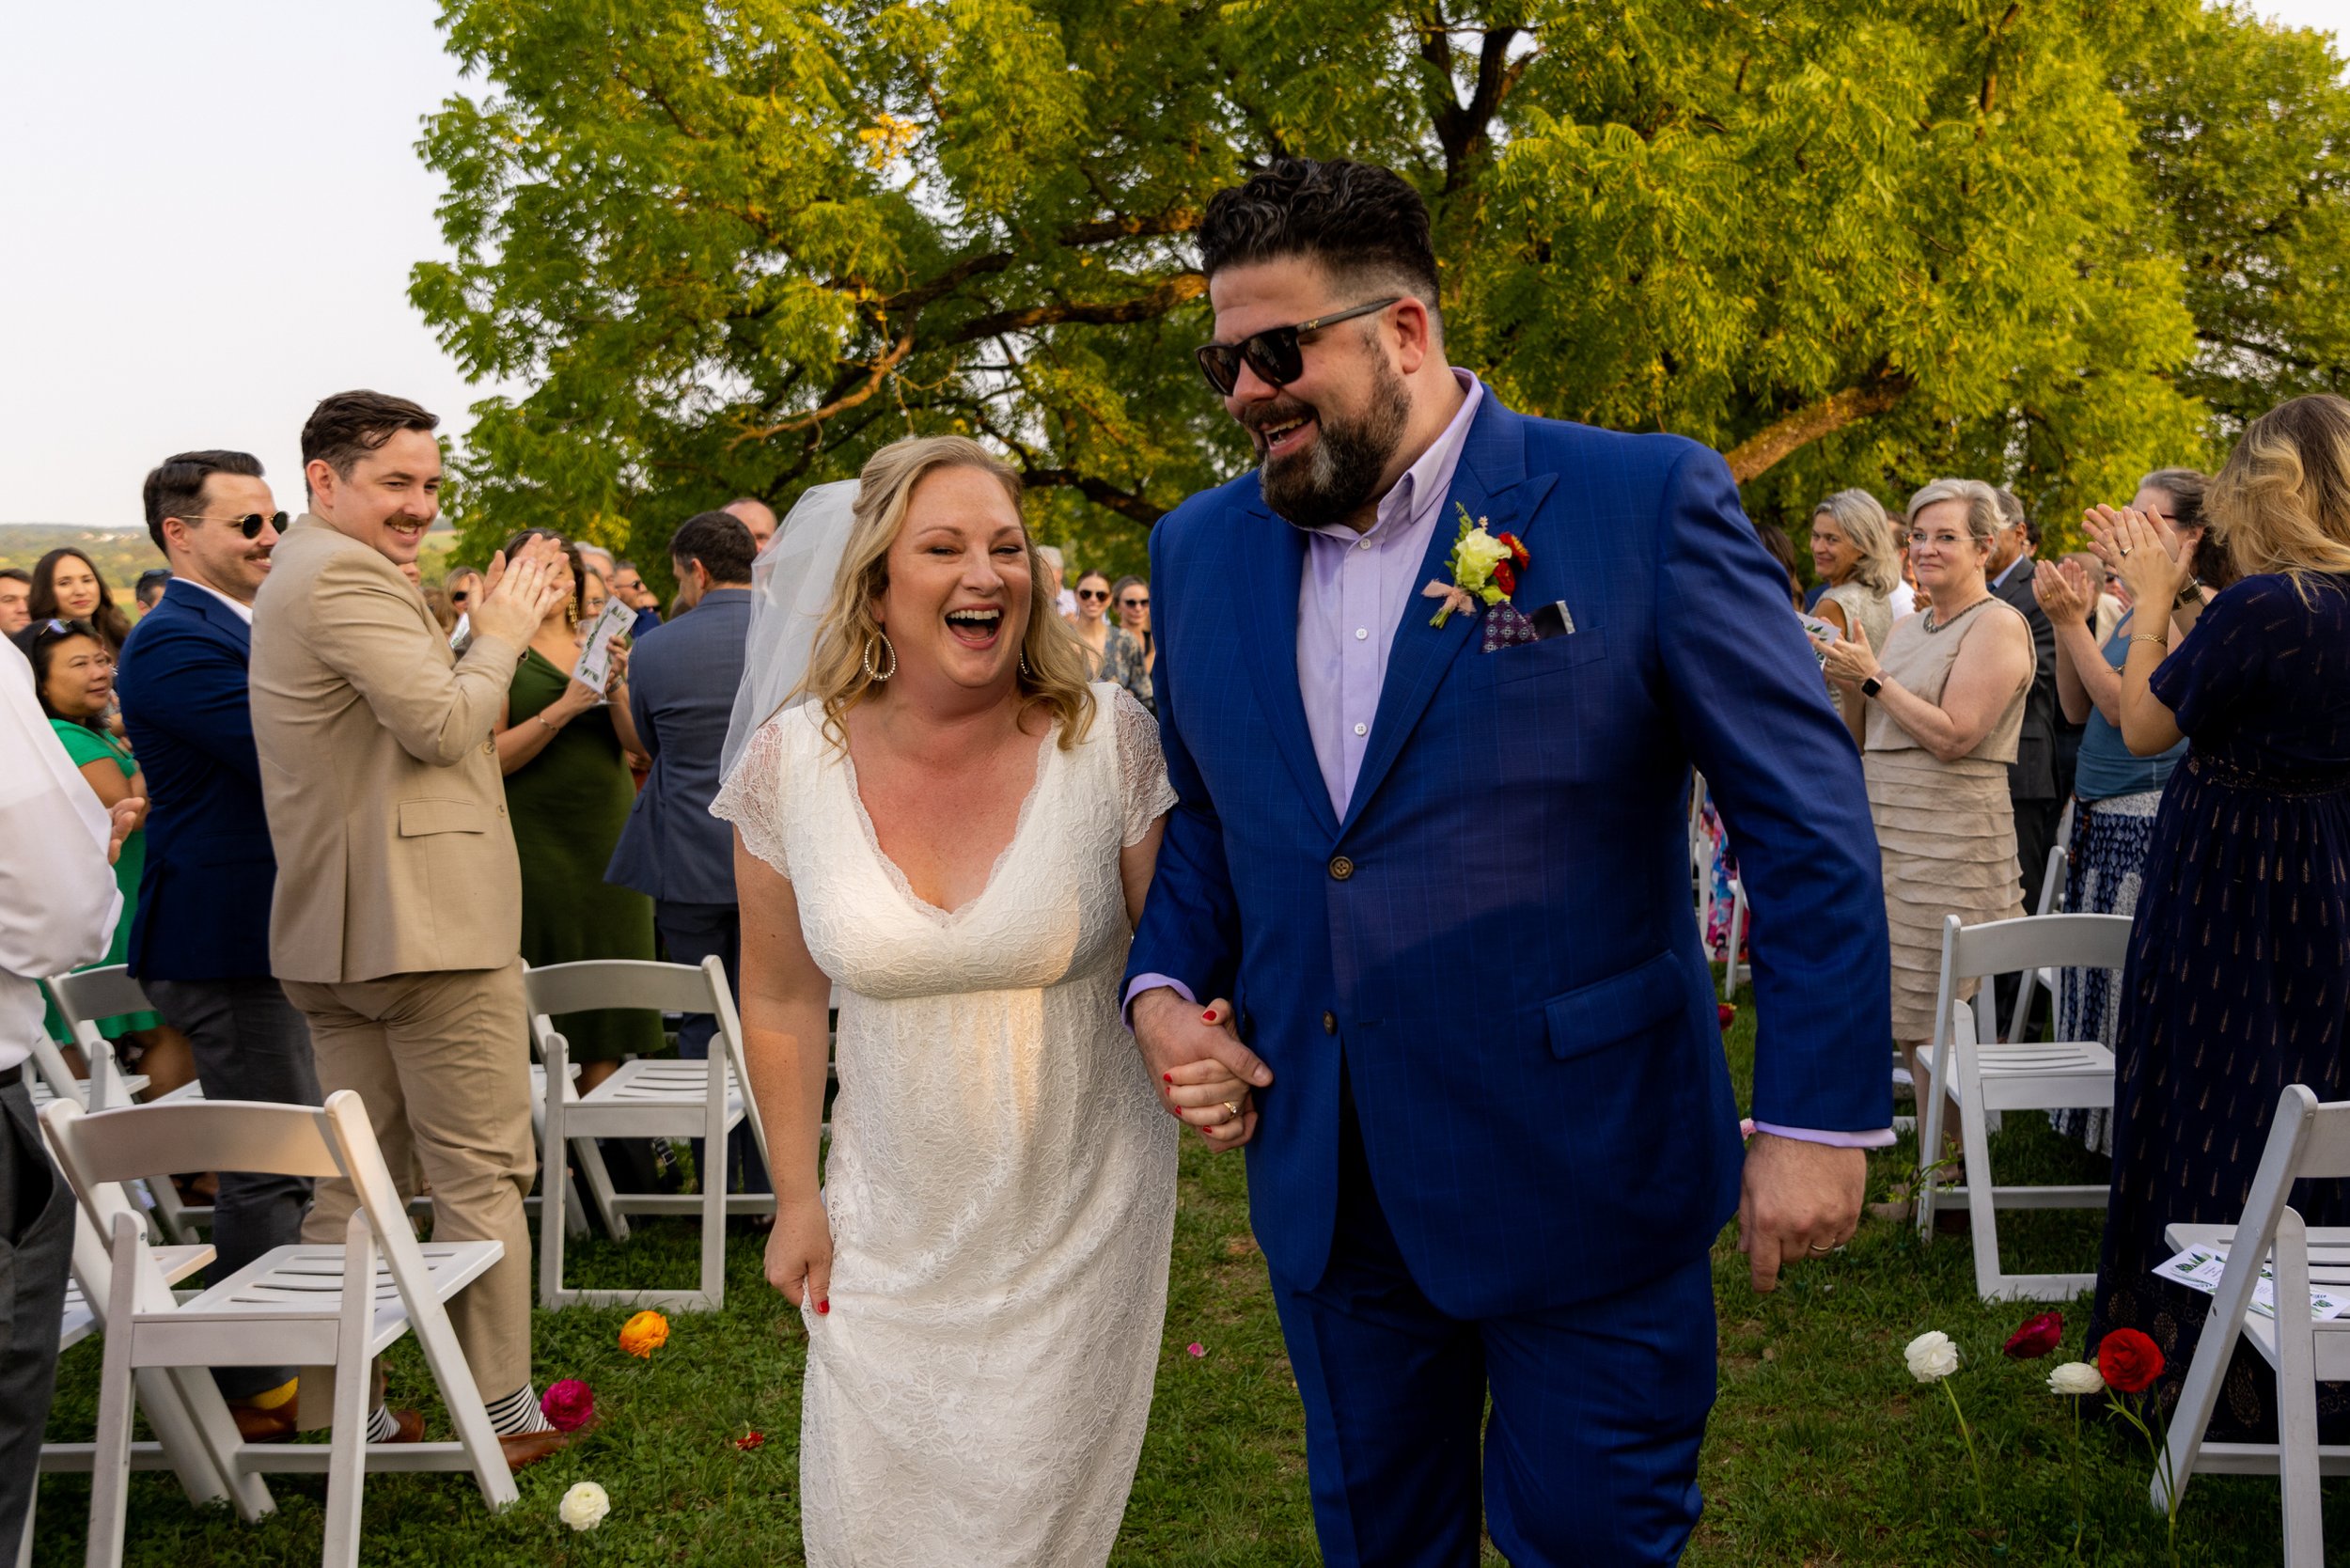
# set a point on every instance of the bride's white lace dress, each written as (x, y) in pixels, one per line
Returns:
(1001, 1180)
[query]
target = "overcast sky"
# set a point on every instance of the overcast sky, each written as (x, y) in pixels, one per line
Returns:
(210, 212)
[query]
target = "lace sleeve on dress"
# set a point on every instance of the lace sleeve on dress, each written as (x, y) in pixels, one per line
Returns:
(752, 796)
(1143, 789)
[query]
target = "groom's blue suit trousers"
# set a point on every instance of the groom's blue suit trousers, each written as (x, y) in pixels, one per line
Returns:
(1590, 1458)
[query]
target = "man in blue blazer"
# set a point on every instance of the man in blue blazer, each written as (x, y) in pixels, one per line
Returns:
(1436, 877)
(682, 675)
(199, 940)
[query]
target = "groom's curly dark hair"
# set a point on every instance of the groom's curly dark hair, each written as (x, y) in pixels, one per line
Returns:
(1362, 222)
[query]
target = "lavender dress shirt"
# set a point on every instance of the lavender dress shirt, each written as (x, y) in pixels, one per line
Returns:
(1354, 593)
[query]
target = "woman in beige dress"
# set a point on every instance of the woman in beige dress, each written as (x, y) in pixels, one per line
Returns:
(1945, 704)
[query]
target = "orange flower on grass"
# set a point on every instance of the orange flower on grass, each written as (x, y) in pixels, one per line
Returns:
(644, 1333)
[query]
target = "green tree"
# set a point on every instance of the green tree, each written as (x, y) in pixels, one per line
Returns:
(734, 245)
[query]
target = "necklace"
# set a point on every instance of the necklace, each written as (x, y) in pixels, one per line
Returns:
(1932, 624)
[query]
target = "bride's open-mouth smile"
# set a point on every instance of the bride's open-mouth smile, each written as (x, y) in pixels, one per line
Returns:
(976, 625)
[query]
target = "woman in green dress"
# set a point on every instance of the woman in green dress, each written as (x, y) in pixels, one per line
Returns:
(74, 676)
(563, 748)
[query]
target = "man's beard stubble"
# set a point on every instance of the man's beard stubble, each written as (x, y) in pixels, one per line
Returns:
(1331, 483)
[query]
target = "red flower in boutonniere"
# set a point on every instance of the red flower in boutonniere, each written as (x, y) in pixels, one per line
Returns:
(1485, 569)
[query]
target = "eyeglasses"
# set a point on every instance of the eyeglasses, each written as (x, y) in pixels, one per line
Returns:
(1273, 354)
(459, 597)
(1134, 604)
(250, 525)
(1092, 594)
(54, 630)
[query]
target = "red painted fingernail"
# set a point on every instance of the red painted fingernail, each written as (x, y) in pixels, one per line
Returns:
(1167, 1077)
(824, 1307)
(1209, 1015)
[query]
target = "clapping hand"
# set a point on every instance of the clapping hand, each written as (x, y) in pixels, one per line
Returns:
(2151, 559)
(2063, 592)
(518, 594)
(1849, 660)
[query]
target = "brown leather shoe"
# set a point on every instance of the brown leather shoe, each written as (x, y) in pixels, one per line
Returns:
(407, 1427)
(526, 1449)
(264, 1426)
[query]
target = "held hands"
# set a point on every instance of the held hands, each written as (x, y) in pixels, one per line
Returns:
(1203, 1071)
(2151, 558)
(2062, 590)
(1850, 660)
(799, 1253)
(518, 593)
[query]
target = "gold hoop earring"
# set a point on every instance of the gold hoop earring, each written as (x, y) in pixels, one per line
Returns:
(871, 672)
(1024, 665)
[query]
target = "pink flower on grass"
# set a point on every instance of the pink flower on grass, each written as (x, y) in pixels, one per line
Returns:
(569, 1405)
(1195, 1348)
(2036, 1336)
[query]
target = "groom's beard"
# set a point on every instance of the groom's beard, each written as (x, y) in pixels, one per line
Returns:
(1330, 481)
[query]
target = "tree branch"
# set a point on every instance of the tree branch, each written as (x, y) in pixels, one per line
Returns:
(1100, 492)
(1182, 287)
(1783, 437)
(846, 401)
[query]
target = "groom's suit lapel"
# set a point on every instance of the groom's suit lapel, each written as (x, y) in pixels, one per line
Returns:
(1271, 566)
(1491, 483)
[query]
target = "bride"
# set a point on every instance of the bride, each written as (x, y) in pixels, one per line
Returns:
(957, 830)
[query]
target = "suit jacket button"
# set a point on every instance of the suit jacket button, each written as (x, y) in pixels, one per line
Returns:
(1341, 868)
(1329, 1023)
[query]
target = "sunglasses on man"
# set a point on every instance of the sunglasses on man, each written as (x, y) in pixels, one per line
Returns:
(1276, 354)
(250, 525)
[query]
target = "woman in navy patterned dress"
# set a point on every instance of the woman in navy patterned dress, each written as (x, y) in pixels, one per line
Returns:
(2238, 981)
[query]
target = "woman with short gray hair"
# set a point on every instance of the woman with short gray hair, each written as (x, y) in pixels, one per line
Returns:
(1945, 707)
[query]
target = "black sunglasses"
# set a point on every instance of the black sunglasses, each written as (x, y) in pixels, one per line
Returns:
(1091, 593)
(249, 524)
(1273, 354)
(1134, 603)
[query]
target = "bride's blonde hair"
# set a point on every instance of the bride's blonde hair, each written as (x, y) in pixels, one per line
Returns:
(1052, 670)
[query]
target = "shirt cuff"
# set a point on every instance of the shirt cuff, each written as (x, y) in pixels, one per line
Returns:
(1877, 1139)
(1149, 982)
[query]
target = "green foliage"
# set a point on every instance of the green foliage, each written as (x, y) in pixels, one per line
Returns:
(737, 246)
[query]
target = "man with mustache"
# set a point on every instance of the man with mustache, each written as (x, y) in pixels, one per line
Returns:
(1440, 872)
(199, 939)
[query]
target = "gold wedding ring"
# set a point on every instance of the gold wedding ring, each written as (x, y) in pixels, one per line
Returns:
(1232, 1106)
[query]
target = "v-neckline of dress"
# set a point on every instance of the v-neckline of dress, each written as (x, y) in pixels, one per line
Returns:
(897, 878)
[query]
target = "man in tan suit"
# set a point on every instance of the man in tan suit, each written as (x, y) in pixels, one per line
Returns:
(398, 916)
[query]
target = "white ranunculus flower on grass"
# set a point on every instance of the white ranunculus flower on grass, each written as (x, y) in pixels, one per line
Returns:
(2077, 1377)
(584, 1506)
(1932, 1358)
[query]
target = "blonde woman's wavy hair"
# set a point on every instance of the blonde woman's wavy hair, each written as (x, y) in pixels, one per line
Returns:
(1863, 520)
(1055, 668)
(2282, 501)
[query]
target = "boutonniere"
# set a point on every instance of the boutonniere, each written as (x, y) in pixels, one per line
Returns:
(1484, 568)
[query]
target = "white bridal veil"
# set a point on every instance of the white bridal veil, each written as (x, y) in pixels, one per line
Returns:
(790, 583)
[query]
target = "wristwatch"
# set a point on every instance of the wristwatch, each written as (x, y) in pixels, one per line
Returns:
(1872, 687)
(2189, 591)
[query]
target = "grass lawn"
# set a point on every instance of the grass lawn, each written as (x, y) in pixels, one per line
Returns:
(1822, 1449)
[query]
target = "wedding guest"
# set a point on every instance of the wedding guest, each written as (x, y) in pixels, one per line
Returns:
(2037, 782)
(73, 677)
(150, 588)
(67, 586)
(436, 600)
(1112, 654)
(756, 515)
(562, 746)
(598, 559)
(1782, 549)
(57, 905)
(396, 922)
(630, 585)
(1852, 553)
(2238, 980)
(995, 1215)
(2107, 608)
(682, 678)
(595, 591)
(1131, 597)
(199, 938)
(464, 591)
(16, 595)
(1945, 701)
(1063, 600)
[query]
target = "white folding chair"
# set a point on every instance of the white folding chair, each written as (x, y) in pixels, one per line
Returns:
(1733, 969)
(86, 998)
(293, 1304)
(2049, 975)
(647, 1098)
(1985, 1077)
(2307, 1140)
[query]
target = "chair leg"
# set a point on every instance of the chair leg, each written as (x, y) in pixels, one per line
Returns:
(25, 1545)
(1930, 1088)
(1982, 1214)
(554, 1188)
(1737, 939)
(599, 1179)
(110, 1459)
(714, 1181)
(347, 1463)
(2296, 1399)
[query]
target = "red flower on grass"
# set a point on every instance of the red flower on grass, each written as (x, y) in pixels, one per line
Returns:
(2036, 1336)
(568, 1405)
(2128, 1360)
(750, 1440)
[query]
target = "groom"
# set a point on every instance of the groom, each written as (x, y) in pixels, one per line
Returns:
(1441, 873)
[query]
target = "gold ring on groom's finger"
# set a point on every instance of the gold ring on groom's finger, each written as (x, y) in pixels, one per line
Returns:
(1817, 1248)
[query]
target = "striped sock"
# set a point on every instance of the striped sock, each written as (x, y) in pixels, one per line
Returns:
(381, 1427)
(518, 1413)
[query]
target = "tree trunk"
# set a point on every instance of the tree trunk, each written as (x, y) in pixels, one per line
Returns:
(1782, 438)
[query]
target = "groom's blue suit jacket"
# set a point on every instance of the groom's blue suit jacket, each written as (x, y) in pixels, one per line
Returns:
(1498, 934)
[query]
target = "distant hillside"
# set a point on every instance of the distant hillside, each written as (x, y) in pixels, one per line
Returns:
(122, 553)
